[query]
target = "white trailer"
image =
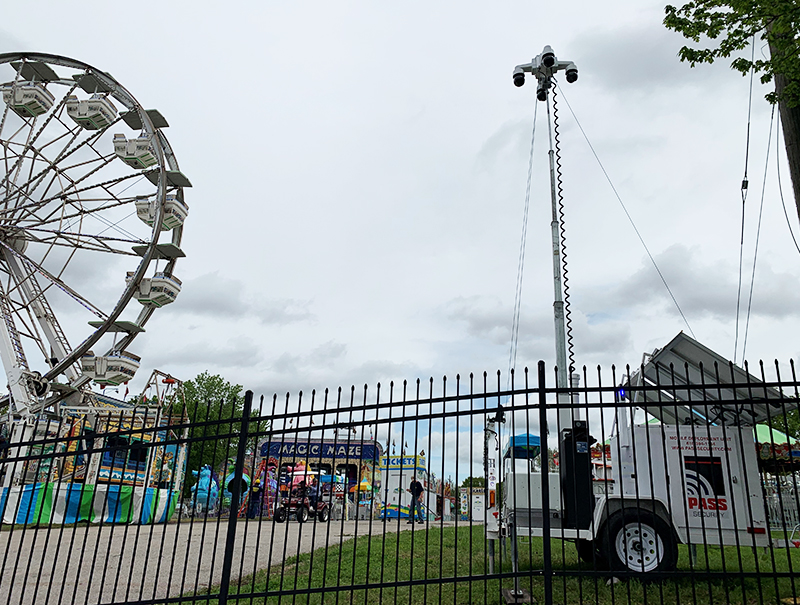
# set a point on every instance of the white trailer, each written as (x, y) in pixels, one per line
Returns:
(692, 478)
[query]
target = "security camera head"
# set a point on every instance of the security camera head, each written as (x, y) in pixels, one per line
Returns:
(548, 57)
(541, 93)
(519, 76)
(572, 73)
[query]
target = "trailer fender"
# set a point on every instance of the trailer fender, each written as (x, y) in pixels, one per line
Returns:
(606, 507)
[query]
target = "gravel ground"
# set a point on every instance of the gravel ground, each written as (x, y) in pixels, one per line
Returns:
(128, 563)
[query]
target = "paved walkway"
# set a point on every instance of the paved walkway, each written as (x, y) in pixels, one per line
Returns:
(119, 563)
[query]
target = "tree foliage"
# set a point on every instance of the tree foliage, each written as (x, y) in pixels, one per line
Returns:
(734, 24)
(474, 482)
(215, 407)
(788, 424)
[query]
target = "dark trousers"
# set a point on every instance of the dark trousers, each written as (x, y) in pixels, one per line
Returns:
(415, 504)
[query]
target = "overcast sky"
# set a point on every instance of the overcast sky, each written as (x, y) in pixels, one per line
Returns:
(359, 175)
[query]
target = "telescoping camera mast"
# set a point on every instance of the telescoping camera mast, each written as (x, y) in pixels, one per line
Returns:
(543, 67)
(630, 520)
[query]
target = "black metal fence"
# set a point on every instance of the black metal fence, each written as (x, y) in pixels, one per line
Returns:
(630, 488)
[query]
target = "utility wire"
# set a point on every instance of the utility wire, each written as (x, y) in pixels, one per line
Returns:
(512, 354)
(627, 214)
(744, 197)
(758, 233)
(780, 187)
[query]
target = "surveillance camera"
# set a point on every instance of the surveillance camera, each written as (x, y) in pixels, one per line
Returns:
(548, 57)
(572, 73)
(541, 93)
(519, 76)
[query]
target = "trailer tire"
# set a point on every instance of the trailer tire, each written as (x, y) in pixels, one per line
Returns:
(590, 553)
(280, 515)
(639, 541)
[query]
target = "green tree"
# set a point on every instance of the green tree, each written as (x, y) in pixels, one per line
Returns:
(474, 482)
(788, 424)
(215, 406)
(734, 24)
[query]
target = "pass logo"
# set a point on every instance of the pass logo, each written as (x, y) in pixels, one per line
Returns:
(705, 483)
(707, 503)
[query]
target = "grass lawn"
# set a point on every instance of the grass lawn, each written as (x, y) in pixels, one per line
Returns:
(430, 563)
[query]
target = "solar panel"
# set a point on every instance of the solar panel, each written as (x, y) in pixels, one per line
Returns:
(685, 382)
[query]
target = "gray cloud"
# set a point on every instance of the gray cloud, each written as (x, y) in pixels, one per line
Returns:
(486, 318)
(323, 356)
(509, 143)
(211, 355)
(10, 43)
(490, 319)
(212, 294)
(701, 289)
(642, 58)
(295, 373)
(221, 297)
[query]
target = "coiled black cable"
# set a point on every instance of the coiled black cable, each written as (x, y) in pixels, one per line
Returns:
(563, 234)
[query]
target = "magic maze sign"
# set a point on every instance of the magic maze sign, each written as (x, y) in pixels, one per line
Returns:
(293, 449)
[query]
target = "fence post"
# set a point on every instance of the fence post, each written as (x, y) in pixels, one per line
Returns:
(227, 561)
(547, 570)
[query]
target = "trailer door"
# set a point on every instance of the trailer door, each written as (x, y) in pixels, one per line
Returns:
(706, 500)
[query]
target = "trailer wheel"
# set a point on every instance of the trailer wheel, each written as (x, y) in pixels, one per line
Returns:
(640, 541)
(280, 514)
(589, 552)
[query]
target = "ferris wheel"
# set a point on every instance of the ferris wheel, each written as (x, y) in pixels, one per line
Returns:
(91, 219)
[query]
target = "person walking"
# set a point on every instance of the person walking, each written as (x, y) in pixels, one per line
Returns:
(416, 490)
(254, 506)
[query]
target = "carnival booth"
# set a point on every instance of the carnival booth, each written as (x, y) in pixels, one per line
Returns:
(100, 467)
(396, 475)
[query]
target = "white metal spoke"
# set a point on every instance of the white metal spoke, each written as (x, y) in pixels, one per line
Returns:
(83, 241)
(32, 140)
(59, 283)
(66, 152)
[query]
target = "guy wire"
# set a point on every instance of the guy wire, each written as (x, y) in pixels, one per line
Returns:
(744, 198)
(512, 354)
(630, 219)
(758, 235)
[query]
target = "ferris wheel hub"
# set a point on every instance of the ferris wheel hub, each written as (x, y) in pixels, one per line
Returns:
(14, 238)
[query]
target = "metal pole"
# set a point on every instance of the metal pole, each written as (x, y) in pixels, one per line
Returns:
(545, 454)
(227, 562)
(564, 413)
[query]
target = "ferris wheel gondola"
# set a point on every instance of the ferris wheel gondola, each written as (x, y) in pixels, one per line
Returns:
(92, 211)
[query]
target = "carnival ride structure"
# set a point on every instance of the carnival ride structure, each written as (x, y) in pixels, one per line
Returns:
(92, 215)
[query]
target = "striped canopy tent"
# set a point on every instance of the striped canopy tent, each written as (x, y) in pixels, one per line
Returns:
(364, 486)
(766, 434)
(777, 452)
